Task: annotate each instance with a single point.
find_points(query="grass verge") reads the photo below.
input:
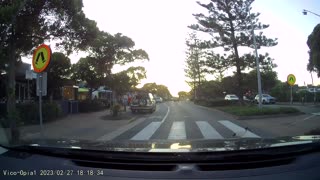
(255, 111)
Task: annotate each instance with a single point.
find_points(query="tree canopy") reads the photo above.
(58, 72)
(26, 24)
(157, 89)
(314, 52)
(229, 22)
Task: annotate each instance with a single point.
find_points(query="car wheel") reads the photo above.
(263, 102)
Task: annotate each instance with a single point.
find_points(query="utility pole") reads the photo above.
(257, 63)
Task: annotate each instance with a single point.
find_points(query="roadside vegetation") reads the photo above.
(255, 111)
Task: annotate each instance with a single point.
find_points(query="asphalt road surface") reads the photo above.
(183, 121)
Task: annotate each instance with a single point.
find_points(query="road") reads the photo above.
(184, 121)
(176, 121)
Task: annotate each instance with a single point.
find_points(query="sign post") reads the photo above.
(291, 79)
(40, 61)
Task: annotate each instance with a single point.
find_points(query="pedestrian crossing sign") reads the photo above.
(41, 58)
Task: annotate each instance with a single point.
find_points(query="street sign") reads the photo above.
(291, 79)
(43, 84)
(29, 74)
(41, 58)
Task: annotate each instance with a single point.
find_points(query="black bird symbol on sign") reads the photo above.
(42, 57)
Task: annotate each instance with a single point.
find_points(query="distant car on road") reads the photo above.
(266, 99)
(158, 99)
(231, 97)
(143, 102)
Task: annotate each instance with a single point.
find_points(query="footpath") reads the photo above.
(84, 126)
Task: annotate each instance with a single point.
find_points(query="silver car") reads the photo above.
(266, 99)
(143, 102)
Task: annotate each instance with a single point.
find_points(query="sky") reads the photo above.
(160, 28)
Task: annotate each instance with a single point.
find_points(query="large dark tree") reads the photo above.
(106, 51)
(25, 24)
(229, 24)
(58, 72)
(314, 52)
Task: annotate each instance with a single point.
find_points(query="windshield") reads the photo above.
(122, 72)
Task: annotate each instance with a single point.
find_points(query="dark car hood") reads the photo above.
(174, 146)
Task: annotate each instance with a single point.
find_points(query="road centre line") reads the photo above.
(165, 117)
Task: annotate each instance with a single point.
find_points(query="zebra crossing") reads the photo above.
(178, 131)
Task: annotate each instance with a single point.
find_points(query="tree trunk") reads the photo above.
(237, 59)
(11, 96)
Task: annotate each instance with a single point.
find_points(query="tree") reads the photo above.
(268, 80)
(212, 90)
(85, 70)
(314, 52)
(183, 94)
(229, 24)
(195, 66)
(136, 74)
(126, 80)
(58, 71)
(26, 24)
(159, 90)
(106, 51)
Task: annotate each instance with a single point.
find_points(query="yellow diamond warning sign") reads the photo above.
(41, 58)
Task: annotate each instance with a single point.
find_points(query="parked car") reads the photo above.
(266, 99)
(143, 102)
(158, 99)
(231, 97)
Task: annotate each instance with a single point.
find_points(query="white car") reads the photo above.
(266, 99)
(158, 99)
(231, 97)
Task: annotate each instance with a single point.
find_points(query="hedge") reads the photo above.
(28, 114)
(215, 103)
(91, 106)
(254, 110)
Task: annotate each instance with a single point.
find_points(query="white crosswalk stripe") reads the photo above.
(208, 131)
(178, 130)
(239, 131)
(147, 132)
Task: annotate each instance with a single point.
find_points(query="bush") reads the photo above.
(253, 110)
(215, 103)
(91, 106)
(29, 113)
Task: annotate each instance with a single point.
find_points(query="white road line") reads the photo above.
(309, 117)
(121, 130)
(239, 131)
(208, 131)
(165, 117)
(178, 130)
(147, 132)
(300, 121)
